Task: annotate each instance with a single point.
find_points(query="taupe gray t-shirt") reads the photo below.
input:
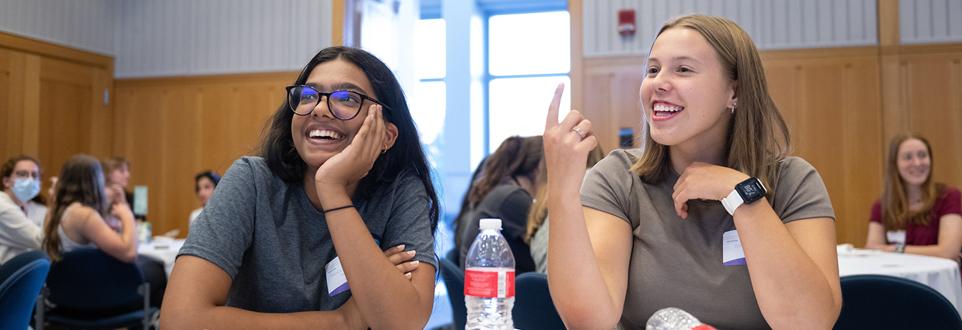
(678, 263)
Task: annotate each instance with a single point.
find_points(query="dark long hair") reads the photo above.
(81, 181)
(277, 147)
(515, 156)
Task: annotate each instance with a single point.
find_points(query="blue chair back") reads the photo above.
(21, 279)
(888, 302)
(454, 283)
(533, 307)
(91, 281)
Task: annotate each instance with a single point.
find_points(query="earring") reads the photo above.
(733, 108)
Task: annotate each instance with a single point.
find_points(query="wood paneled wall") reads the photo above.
(922, 93)
(172, 128)
(52, 103)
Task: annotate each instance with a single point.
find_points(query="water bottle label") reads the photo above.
(489, 282)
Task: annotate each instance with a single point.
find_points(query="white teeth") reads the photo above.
(661, 107)
(317, 133)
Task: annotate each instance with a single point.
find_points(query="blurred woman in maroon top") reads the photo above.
(914, 214)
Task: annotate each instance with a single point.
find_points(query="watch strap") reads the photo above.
(732, 202)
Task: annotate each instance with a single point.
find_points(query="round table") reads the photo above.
(938, 273)
(162, 248)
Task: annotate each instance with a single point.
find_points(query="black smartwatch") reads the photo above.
(746, 192)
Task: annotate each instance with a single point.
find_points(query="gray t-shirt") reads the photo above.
(678, 263)
(268, 237)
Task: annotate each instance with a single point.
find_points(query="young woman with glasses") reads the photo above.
(711, 216)
(293, 238)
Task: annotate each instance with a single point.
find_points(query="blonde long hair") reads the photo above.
(757, 135)
(539, 209)
(896, 210)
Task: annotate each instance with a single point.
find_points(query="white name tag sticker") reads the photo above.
(895, 236)
(336, 280)
(732, 253)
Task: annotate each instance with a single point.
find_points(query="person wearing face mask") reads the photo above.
(914, 214)
(204, 183)
(21, 184)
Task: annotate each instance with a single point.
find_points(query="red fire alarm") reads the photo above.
(626, 22)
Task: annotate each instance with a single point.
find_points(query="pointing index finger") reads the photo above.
(552, 119)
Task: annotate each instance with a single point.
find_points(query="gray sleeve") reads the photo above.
(800, 192)
(223, 232)
(606, 187)
(409, 221)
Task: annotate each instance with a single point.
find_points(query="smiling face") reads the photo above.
(319, 135)
(913, 162)
(686, 93)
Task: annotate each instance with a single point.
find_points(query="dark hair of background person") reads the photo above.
(210, 175)
(81, 181)
(516, 156)
(896, 213)
(539, 208)
(277, 147)
(7, 170)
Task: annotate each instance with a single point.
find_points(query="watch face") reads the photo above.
(751, 190)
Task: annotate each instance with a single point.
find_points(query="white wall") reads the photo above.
(772, 24)
(930, 21)
(191, 37)
(86, 25)
(179, 37)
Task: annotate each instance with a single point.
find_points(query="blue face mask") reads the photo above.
(26, 189)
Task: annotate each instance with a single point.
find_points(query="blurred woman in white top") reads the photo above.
(204, 183)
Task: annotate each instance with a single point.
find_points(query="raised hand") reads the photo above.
(566, 146)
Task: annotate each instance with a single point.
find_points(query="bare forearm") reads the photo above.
(580, 293)
(791, 290)
(384, 297)
(933, 251)
(223, 317)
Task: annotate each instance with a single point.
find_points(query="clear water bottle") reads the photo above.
(672, 318)
(489, 279)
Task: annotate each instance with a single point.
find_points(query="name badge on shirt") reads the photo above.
(895, 236)
(336, 280)
(732, 253)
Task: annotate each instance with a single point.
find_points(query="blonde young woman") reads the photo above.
(914, 214)
(711, 216)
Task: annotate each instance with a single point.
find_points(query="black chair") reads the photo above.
(887, 302)
(21, 279)
(89, 289)
(454, 282)
(533, 307)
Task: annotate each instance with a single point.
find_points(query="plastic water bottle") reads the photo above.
(672, 318)
(489, 279)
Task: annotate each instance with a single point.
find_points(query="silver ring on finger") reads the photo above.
(579, 132)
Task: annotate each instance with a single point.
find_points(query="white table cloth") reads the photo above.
(162, 248)
(938, 273)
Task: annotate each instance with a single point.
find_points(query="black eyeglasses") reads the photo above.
(344, 105)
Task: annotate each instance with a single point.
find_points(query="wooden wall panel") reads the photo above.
(51, 102)
(172, 128)
(922, 88)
